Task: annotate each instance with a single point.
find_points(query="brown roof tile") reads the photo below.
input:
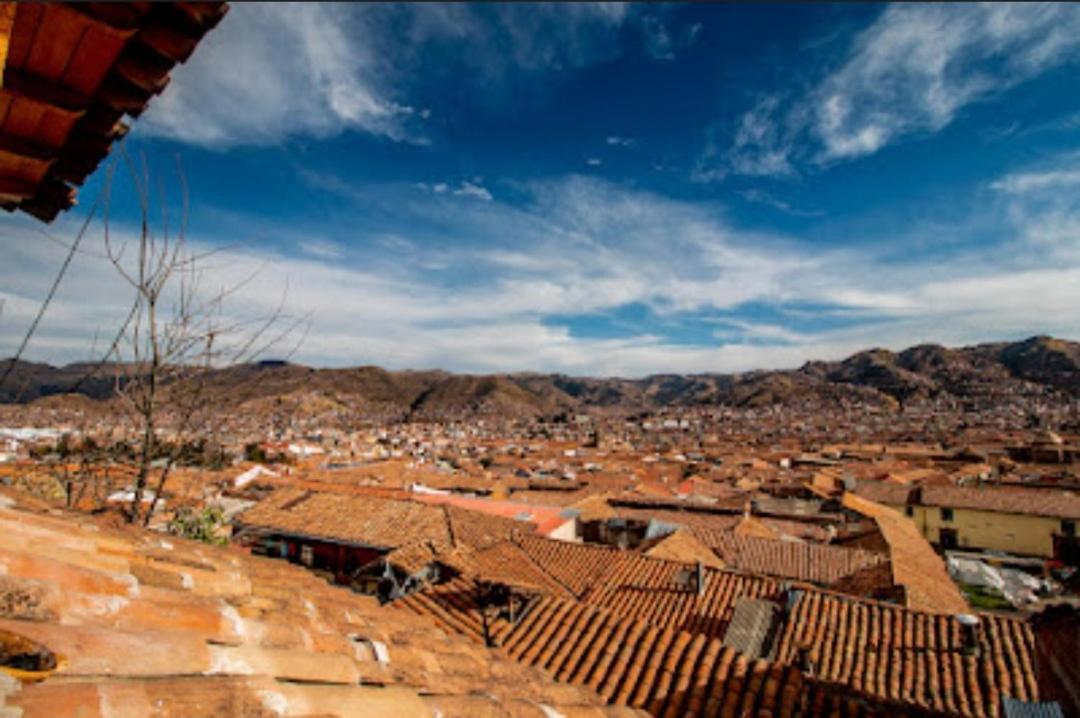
(915, 566)
(1036, 502)
(243, 636)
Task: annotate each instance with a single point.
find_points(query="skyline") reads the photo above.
(611, 189)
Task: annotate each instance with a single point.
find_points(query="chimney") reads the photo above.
(699, 575)
(969, 633)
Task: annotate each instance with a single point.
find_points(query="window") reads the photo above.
(307, 555)
(1068, 527)
(909, 511)
(946, 515)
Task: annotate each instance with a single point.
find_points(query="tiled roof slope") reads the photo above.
(156, 626)
(884, 492)
(507, 563)
(631, 662)
(647, 588)
(368, 520)
(577, 566)
(683, 546)
(700, 522)
(915, 566)
(816, 563)
(375, 521)
(880, 649)
(912, 656)
(1036, 502)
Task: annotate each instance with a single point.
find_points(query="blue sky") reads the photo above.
(612, 189)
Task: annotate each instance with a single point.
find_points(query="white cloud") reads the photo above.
(473, 189)
(276, 69)
(321, 248)
(911, 71)
(619, 141)
(469, 189)
(918, 65)
(593, 162)
(582, 247)
(1024, 182)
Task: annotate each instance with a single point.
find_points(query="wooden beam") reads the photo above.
(37, 89)
(52, 197)
(122, 95)
(123, 17)
(14, 191)
(141, 65)
(26, 148)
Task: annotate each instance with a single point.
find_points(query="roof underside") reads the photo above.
(72, 72)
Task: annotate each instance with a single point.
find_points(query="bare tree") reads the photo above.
(177, 334)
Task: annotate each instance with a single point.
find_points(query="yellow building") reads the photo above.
(1028, 522)
(1022, 521)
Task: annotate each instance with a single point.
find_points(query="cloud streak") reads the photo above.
(493, 296)
(278, 70)
(911, 72)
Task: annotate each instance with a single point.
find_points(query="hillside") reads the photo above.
(1037, 366)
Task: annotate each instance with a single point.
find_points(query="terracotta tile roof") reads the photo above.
(375, 521)
(476, 530)
(631, 662)
(648, 588)
(1036, 502)
(156, 626)
(752, 526)
(700, 521)
(577, 566)
(912, 656)
(368, 521)
(884, 492)
(816, 563)
(690, 519)
(915, 565)
(71, 73)
(544, 518)
(507, 563)
(682, 546)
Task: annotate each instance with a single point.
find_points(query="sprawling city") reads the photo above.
(340, 375)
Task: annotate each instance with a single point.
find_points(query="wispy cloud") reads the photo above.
(484, 299)
(658, 43)
(911, 71)
(469, 189)
(275, 70)
(466, 188)
(322, 249)
(758, 196)
(1024, 182)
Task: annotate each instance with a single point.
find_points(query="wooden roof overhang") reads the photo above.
(70, 72)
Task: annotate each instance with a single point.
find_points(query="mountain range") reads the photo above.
(1040, 365)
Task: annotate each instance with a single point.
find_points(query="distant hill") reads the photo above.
(1039, 365)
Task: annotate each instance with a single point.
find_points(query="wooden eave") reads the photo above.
(70, 73)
